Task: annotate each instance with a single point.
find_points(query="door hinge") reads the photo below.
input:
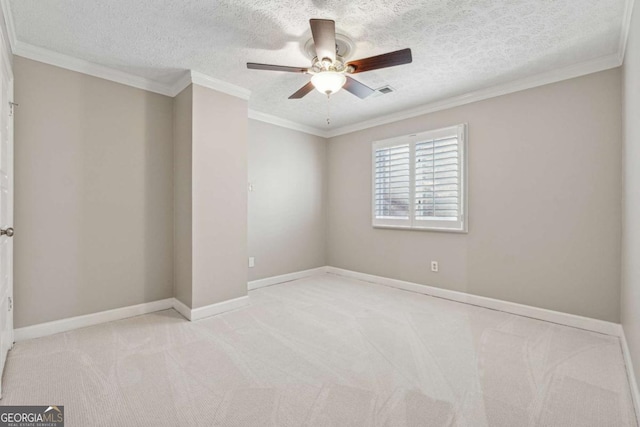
(10, 303)
(11, 107)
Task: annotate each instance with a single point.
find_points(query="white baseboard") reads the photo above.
(261, 283)
(218, 308)
(581, 322)
(64, 325)
(633, 384)
(71, 323)
(182, 308)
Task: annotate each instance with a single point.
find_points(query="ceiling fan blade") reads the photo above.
(302, 91)
(254, 66)
(358, 89)
(324, 38)
(385, 60)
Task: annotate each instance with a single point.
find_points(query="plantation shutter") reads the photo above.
(419, 181)
(392, 185)
(437, 188)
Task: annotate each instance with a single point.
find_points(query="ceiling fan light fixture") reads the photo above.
(328, 82)
(329, 71)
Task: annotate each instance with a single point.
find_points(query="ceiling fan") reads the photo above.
(329, 70)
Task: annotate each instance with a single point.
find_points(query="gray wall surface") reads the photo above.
(630, 300)
(219, 191)
(287, 169)
(544, 201)
(182, 210)
(93, 194)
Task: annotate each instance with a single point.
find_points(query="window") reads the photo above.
(419, 181)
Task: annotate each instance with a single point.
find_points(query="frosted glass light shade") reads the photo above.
(328, 82)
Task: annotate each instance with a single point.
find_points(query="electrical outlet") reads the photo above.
(434, 266)
(252, 262)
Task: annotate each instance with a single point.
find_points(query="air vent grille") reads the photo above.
(385, 90)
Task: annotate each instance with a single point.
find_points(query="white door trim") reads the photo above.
(633, 384)
(6, 202)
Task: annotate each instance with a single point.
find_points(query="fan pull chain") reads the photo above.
(328, 109)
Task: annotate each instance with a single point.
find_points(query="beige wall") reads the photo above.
(93, 194)
(544, 193)
(287, 169)
(631, 241)
(182, 241)
(219, 191)
(94, 156)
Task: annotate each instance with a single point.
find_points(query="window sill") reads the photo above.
(436, 229)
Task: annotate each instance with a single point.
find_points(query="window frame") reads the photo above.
(450, 226)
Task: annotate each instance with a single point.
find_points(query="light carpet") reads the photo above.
(327, 351)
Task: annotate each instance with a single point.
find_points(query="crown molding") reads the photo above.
(61, 60)
(219, 85)
(570, 72)
(181, 84)
(200, 79)
(50, 57)
(65, 61)
(85, 67)
(79, 65)
(626, 28)
(278, 121)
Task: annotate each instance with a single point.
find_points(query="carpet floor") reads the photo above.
(327, 351)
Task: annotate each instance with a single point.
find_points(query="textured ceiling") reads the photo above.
(458, 45)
